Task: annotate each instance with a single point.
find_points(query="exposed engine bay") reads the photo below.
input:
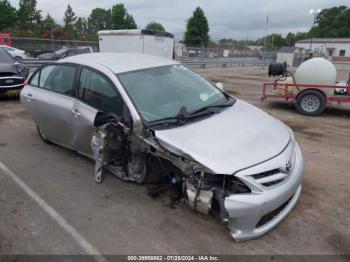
(141, 159)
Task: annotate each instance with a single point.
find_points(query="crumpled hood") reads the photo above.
(237, 138)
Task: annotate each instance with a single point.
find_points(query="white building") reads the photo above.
(292, 55)
(335, 49)
(255, 47)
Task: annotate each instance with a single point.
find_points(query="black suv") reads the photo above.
(12, 73)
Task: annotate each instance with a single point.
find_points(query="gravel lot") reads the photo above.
(116, 217)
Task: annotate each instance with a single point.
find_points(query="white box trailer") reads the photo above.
(145, 41)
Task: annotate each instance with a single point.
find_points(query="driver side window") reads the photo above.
(98, 92)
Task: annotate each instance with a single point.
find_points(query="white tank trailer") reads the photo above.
(316, 71)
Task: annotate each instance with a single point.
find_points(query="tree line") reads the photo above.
(330, 22)
(27, 20)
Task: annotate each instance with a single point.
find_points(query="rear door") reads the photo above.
(51, 101)
(95, 93)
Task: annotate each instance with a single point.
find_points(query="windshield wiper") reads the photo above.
(211, 106)
(179, 119)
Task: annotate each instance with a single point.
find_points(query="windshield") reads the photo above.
(5, 57)
(161, 92)
(61, 51)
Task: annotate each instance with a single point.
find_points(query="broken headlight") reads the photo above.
(228, 183)
(235, 186)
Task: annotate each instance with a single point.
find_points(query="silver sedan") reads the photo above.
(148, 119)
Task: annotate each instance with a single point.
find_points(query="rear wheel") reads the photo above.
(43, 136)
(310, 103)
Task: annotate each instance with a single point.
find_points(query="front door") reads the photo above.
(96, 93)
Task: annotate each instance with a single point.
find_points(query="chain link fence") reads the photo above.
(37, 46)
(194, 56)
(223, 57)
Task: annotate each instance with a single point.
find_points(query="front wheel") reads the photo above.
(18, 59)
(310, 103)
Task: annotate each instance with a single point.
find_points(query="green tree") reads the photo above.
(155, 26)
(301, 36)
(290, 39)
(8, 14)
(81, 27)
(28, 16)
(332, 22)
(99, 19)
(197, 29)
(69, 18)
(274, 41)
(48, 22)
(121, 19)
(48, 26)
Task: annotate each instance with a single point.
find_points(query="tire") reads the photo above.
(18, 58)
(43, 136)
(310, 103)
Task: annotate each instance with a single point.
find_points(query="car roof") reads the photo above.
(120, 62)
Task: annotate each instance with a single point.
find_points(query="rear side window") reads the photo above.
(58, 78)
(98, 92)
(7, 48)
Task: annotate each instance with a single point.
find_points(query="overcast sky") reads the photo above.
(238, 19)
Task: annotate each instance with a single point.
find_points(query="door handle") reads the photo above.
(29, 97)
(75, 113)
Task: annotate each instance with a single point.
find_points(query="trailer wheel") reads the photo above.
(310, 103)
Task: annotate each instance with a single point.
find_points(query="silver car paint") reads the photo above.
(224, 143)
(241, 140)
(246, 210)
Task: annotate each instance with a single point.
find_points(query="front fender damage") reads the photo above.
(131, 154)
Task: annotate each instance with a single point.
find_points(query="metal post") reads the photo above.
(311, 36)
(314, 13)
(52, 37)
(263, 58)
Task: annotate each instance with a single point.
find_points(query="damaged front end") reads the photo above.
(135, 154)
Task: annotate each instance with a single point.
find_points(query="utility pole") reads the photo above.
(314, 13)
(266, 25)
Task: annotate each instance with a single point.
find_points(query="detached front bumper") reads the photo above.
(252, 215)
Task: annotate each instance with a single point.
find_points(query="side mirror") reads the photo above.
(220, 86)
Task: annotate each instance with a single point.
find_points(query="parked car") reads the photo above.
(88, 48)
(17, 54)
(161, 121)
(12, 73)
(64, 52)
